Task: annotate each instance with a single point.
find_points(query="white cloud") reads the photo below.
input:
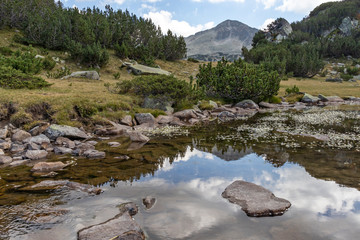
(165, 20)
(219, 1)
(267, 3)
(266, 23)
(304, 6)
(146, 6)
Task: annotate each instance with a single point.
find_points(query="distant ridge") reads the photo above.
(224, 40)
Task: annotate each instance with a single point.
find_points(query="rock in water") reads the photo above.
(255, 200)
(48, 166)
(36, 154)
(122, 226)
(149, 202)
(55, 131)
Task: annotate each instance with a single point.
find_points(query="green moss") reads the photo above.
(205, 105)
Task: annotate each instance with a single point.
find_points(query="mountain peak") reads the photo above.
(226, 39)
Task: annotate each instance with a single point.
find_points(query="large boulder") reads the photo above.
(142, 118)
(93, 75)
(55, 131)
(138, 69)
(255, 200)
(347, 25)
(247, 104)
(122, 226)
(308, 98)
(149, 202)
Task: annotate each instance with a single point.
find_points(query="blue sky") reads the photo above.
(186, 17)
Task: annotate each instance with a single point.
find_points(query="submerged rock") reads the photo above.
(49, 185)
(48, 166)
(137, 137)
(255, 200)
(149, 202)
(94, 154)
(122, 226)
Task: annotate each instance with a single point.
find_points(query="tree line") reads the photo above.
(87, 33)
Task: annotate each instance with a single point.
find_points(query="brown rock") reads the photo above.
(142, 118)
(127, 120)
(65, 142)
(161, 119)
(20, 136)
(137, 136)
(48, 166)
(185, 114)
(94, 154)
(149, 202)
(255, 200)
(36, 154)
(5, 159)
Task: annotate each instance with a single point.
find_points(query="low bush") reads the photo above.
(294, 89)
(59, 73)
(15, 79)
(345, 77)
(25, 62)
(6, 51)
(237, 81)
(193, 60)
(92, 55)
(48, 63)
(167, 87)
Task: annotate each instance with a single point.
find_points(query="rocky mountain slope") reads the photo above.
(224, 40)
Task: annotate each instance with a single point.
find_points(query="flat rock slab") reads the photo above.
(122, 226)
(55, 131)
(255, 200)
(138, 69)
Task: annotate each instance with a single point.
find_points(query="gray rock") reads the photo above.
(55, 131)
(357, 77)
(307, 98)
(267, 105)
(247, 104)
(94, 154)
(158, 103)
(4, 133)
(122, 226)
(138, 69)
(36, 154)
(48, 166)
(93, 75)
(62, 150)
(16, 148)
(137, 137)
(193, 121)
(161, 119)
(330, 98)
(20, 136)
(40, 139)
(281, 30)
(255, 200)
(127, 120)
(83, 147)
(347, 25)
(185, 114)
(226, 116)
(33, 146)
(2, 152)
(149, 202)
(5, 159)
(65, 142)
(143, 118)
(91, 143)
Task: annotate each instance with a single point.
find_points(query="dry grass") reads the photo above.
(316, 86)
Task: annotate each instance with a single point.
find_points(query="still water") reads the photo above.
(187, 174)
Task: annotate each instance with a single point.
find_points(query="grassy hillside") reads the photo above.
(62, 101)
